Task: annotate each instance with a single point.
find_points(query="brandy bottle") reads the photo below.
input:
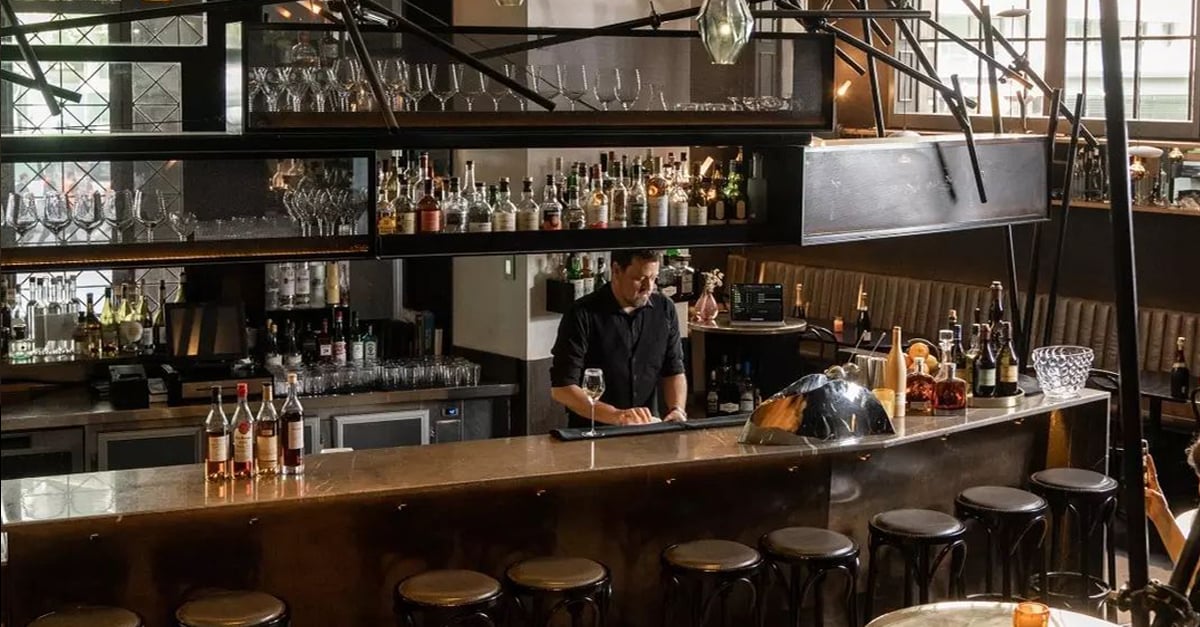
(920, 388)
(216, 440)
(243, 436)
(266, 434)
(291, 422)
(949, 392)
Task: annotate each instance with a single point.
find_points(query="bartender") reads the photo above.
(631, 332)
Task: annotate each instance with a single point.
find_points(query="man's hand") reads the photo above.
(632, 416)
(675, 415)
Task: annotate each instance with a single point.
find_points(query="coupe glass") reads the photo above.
(605, 85)
(87, 212)
(629, 87)
(1062, 371)
(573, 80)
(593, 386)
(56, 214)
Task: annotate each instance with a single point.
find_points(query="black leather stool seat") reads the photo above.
(1074, 480)
(712, 556)
(918, 523)
(232, 608)
(93, 616)
(1001, 499)
(448, 588)
(808, 543)
(556, 573)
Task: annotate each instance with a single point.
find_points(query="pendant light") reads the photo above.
(510, 3)
(725, 27)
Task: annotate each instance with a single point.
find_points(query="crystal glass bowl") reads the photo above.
(1062, 370)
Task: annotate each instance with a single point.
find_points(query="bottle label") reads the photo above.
(268, 449)
(669, 291)
(370, 351)
(431, 221)
(356, 351)
(730, 408)
(698, 215)
(303, 283)
(678, 214)
(597, 217)
(865, 336)
(638, 215)
(339, 352)
(659, 212)
(287, 287)
(504, 221)
(746, 404)
(576, 221)
(740, 211)
(479, 227)
(985, 377)
(274, 359)
(1008, 374)
(552, 220)
(162, 335)
(455, 222)
(218, 448)
(719, 210)
(327, 350)
(579, 291)
(528, 221)
(295, 435)
(243, 444)
(589, 285)
(147, 335)
(406, 223)
(714, 404)
(387, 224)
(294, 360)
(617, 224)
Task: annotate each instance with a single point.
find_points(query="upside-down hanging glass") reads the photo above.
(725, 27)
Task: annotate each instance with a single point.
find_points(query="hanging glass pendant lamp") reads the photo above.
(725, 27)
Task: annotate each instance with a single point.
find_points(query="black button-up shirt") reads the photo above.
(635, 350)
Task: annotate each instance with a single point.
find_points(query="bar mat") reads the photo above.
(575, 433)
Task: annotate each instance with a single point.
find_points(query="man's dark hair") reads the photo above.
(625, 257)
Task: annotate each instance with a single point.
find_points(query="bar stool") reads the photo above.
(709, 570)
(571, 584)
(88, 616)
(1091, 500)
(233, 608)
(1008, 516)
(448, 597)
(816, 553)
(914, 532)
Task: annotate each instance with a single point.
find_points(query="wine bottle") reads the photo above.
(1008, 365)
(984, 379)
(1180, 375)
(895, 372)
(862, 326)
(712, 399)
(291, 422)
(216, 437)
(799, 307)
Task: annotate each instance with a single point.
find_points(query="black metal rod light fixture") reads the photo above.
(1025, 342)
(35, 68)
(1060, 244)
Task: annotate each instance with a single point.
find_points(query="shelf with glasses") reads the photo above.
(1170, 211)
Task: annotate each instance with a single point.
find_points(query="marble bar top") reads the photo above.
(76, 407)
(397, 472)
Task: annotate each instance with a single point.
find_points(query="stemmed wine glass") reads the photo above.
(545, 80)
(151, 214)
(605, 85)
(593, 386)
(88, 213)
(475, 86)
(20, 213)
(499, 91)
(418, 85)
(573, 80)
(445, 87)
(629, 87)
(346, 76)
(56, 215)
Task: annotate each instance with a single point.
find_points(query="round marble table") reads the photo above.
(698, 331)
(975, 614)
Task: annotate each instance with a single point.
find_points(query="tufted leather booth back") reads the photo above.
(920, 305)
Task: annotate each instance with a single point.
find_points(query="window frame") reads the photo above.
(1056, 44)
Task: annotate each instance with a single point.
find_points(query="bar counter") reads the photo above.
(334, 542)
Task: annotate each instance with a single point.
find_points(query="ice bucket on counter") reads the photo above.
(817, 409)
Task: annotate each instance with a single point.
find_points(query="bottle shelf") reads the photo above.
(172, 253)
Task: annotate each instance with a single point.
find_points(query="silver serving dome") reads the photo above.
(820, 408)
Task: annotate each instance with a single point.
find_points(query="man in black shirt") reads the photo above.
(631, 332)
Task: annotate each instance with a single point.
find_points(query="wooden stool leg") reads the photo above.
(872, 571)
(922, 577)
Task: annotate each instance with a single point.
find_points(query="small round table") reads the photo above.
(698, 331)
(975, 614)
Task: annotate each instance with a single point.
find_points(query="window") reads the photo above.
(1159, 52)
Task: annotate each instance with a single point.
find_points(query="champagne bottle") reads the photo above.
(1180, 375)
(1008, 366)
(984, 379)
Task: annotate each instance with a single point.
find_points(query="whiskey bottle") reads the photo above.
(618, 215)
(529, 216)
(479, 213)
(428, 212)
(339, 339)
(357, 348)
(658, 194)
(216, 439)
(589, 279)
(266, 434)
(91, 326)
(552, 208)
(455, 209)
(895, 373)
(405, 210)
(920, 392)
(470, 186)
(504, 213)
(1181, 377)
(677, 198)
(385, 208)
(370, 346)
(698, 199)
(712, 401)
(576, 217)
(598, 203)
(1008, 364)
(638, 200)
(243, 436)
(291, 430)
(984, 378)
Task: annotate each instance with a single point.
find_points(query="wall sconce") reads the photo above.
(843, 89)
(725, 27)
(509, 3)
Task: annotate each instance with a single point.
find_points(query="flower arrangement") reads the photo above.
(712, 279)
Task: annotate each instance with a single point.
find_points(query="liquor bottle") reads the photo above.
(147, 322)
(93, 341)
(429, 213)
(712, 400)
(597, 204)
(949, 391)
(415, 175)
(731, 394)
(957, 353)
(5, 320)
(287, 286)
(291, 430)
(658, 194)
(479, 213)
(799, 307)
(266, 434)
(242, 428)
(529, 215)
(984, 378)
(862, 325)
(552, 208)
(996, 311)
(589, 280)
(370, 346)
(504, 212)
(639, 207)
(601, 272)
(339, 339)
(746, 390)
(972, 354)
(920, 391)
(79, 338)
(735, 193)
(618, 214)
(19, 348)
(698, 198)
(216, 438)
(717, 213)
(677, 198)
(303, 285)
(35, 316)
(454, 209)
(559, 178)
(895, 373)
(1008, 364)
(357, 348)
(109, 326)
(316, 282)
(333, 284)
(1181, 377)
(292, 351)
(576, 217)
(385, 207)
(160, 316)
(470, 186)
(325, 343)
(310, 349)
(405, 210)
(951, 318)
(272, 353)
